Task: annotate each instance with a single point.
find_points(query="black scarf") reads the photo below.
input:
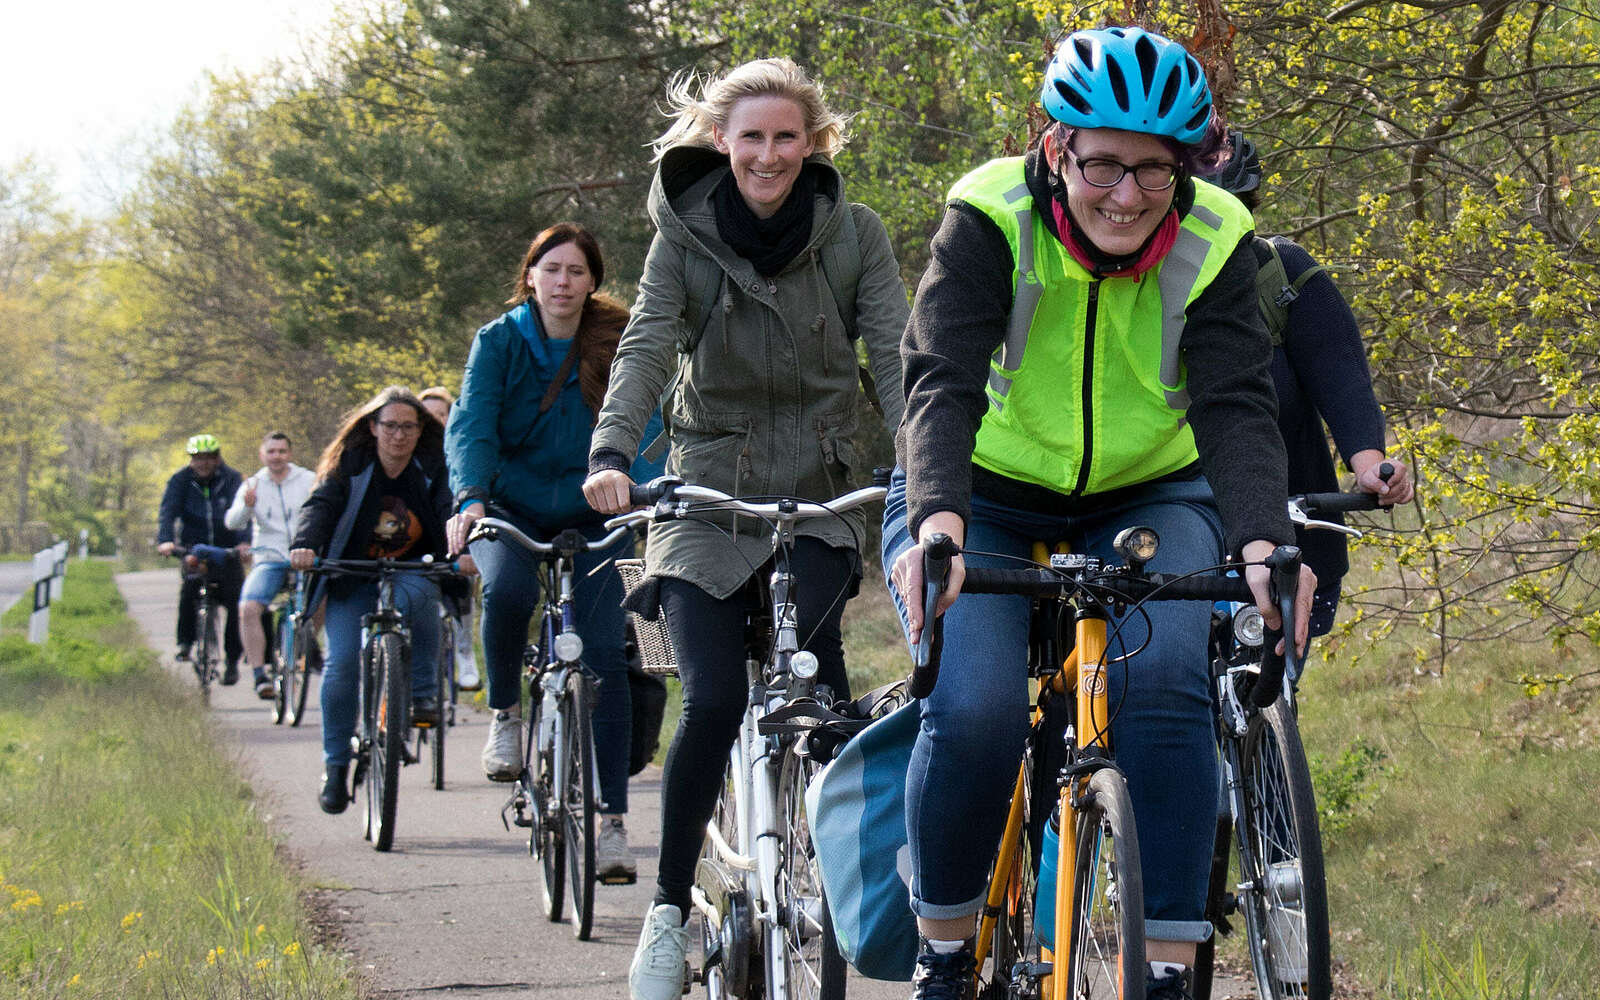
(771, 243)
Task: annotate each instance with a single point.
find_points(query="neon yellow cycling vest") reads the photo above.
(1088, 391)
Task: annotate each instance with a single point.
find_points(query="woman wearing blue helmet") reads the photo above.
(1084, 354)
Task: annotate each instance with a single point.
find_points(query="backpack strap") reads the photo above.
(1274, 291)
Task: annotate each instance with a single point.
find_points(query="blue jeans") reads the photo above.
(975, 722)
(510, 597)
(417, 599)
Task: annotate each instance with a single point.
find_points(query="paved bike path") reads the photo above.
(454, 908)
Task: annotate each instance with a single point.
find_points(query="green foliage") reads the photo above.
(1347, 785)
(1427, 973)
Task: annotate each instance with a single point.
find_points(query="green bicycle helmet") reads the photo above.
(1130, 79)
(202, 443)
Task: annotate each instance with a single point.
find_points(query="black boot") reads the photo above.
(944, 977)
(335, 789)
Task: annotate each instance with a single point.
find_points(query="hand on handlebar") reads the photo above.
(302, 559)
(1258, 576)
(1370, 467)
(458, 527)
(906, 574)
(607, 491)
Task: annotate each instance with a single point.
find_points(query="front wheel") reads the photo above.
(1283, 892)
(577, 811)
(285, 682)
(391, 698)
(1106, 956)
(441, 677)
(539, 774)
(813, 967)
(297, 673)
(205, 664)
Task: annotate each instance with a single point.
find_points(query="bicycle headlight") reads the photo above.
(1137, 545)
(804, 665)
(1248, 627)
(568, 647)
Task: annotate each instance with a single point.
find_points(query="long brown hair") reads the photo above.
(603, 317)
(355, 429)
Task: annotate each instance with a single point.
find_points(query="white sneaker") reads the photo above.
(467, 674)
(614, 864)
(502, 754)
(658, 969)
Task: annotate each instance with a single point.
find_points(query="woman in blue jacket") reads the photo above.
(518, 440)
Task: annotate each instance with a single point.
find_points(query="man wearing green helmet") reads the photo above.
(193, 509)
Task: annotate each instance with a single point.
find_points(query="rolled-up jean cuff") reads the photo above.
(951, 911)
(1177, 930)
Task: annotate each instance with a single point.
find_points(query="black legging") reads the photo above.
(708, 637)
(231, 581)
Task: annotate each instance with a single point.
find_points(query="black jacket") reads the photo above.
(199, 507)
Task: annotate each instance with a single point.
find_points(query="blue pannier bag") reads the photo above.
(857, 808)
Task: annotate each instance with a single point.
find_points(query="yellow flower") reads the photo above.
(76, 904)
(263, 963)
(131, 919)
(75, 980)
(148, 956)
(25, 898)
(211, 957)
(292, 948)
(260, 929)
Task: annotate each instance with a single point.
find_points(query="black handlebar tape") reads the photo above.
(1285, 566)
(1327, 503)
(937, 552)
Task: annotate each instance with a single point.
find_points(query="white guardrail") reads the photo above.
(49, 575)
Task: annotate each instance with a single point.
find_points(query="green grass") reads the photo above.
(132, 860)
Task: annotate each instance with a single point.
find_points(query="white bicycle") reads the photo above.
(766, 930)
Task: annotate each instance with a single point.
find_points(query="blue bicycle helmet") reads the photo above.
(1130, 79)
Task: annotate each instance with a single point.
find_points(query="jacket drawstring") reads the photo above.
(727, 310)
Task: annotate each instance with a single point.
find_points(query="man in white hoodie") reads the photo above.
(268, 501)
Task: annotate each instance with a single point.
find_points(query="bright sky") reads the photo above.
(85, 84)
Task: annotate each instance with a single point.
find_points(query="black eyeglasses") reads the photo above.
(398, 427)
(1104, 172)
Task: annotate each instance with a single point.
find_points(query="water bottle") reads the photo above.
(1044, 914)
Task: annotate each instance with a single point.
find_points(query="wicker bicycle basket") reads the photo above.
(654, 638)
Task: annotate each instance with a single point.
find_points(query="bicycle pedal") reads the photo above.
(606, 879)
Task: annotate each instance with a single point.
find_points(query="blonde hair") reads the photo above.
(694, 117)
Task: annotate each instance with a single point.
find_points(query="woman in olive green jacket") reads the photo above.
(760, 277)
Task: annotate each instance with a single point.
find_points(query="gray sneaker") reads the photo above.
(502, 754)
(614, 864)
(468, 677)
(658, 967)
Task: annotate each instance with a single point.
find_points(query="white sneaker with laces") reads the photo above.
(468, 677)
(614, 863)
(502, 754)
(657, 971)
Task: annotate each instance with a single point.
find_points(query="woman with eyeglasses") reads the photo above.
(518, 441)
(1084, 354)
(381, 494)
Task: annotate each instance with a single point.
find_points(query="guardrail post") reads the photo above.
(58, 574)
(44, 566)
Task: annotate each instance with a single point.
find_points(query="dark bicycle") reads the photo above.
(557, 794)
(206, 562)
(384, 722)
(290, 656)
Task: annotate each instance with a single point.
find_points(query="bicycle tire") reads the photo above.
(1106, 956)
(578, 810)
(391, 699)
(1285, 894)
(206, 664)
(299, 667)
(813, 967)
(282, 661)
(545, 840)
(441, 690)
(729, 951)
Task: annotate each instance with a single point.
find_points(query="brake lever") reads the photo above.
(1302, 519)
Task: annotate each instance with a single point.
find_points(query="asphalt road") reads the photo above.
(16, 582)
